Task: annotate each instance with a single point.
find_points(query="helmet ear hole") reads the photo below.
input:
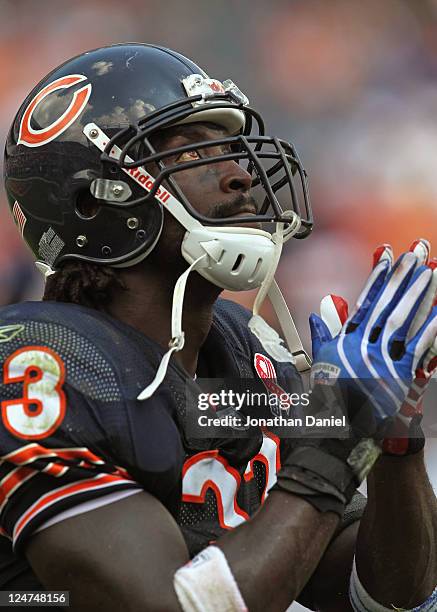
(87, 207)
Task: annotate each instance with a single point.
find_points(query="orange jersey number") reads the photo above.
(41, 409)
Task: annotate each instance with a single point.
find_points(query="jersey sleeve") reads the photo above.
(72, 431)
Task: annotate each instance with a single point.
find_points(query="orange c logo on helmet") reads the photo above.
(30, 137)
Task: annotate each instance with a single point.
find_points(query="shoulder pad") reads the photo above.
(74, 335)
(233, 318)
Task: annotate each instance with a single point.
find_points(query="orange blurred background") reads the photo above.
(352, 84)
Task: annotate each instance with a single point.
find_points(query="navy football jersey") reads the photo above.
(73, 434)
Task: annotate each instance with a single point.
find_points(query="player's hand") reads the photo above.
(405, 435)
(375, 354)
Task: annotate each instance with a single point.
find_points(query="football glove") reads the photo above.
(405, 435)
(366, 372)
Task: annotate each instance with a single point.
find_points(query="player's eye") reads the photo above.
(187, 156)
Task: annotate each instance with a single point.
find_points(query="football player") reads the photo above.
(144, 188)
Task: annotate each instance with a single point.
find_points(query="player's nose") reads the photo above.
(235, 178)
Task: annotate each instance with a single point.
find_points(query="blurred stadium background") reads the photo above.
(352, 84)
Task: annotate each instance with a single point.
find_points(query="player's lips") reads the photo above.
(241, 207)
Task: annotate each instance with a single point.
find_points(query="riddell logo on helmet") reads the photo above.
(31, 137)
(139, 175)
(146, 181)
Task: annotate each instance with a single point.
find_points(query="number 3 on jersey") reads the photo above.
(41, 409)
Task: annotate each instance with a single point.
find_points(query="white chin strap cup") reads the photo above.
(239, 258)
(236, 260)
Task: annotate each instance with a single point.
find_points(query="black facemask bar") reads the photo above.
(284, 166)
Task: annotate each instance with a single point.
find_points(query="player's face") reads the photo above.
(216, 190)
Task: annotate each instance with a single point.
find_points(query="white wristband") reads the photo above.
(362, 602)
(206, 584)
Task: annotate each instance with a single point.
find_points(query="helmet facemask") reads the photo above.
(279, 181)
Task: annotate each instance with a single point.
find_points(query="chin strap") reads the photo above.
(177, 335)
(278, 240)
(268, 337)
(301, 359)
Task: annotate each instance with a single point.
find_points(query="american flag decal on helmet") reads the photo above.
(19, 216)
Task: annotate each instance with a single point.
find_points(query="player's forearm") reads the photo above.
(397, 541)
(273, 555)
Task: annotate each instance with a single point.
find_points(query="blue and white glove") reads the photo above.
(405, 435)
(375, 356)
(389, 335)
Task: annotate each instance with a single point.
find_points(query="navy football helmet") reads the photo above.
(86, 132)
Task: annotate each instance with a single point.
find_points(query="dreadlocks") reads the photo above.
(83, 283)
